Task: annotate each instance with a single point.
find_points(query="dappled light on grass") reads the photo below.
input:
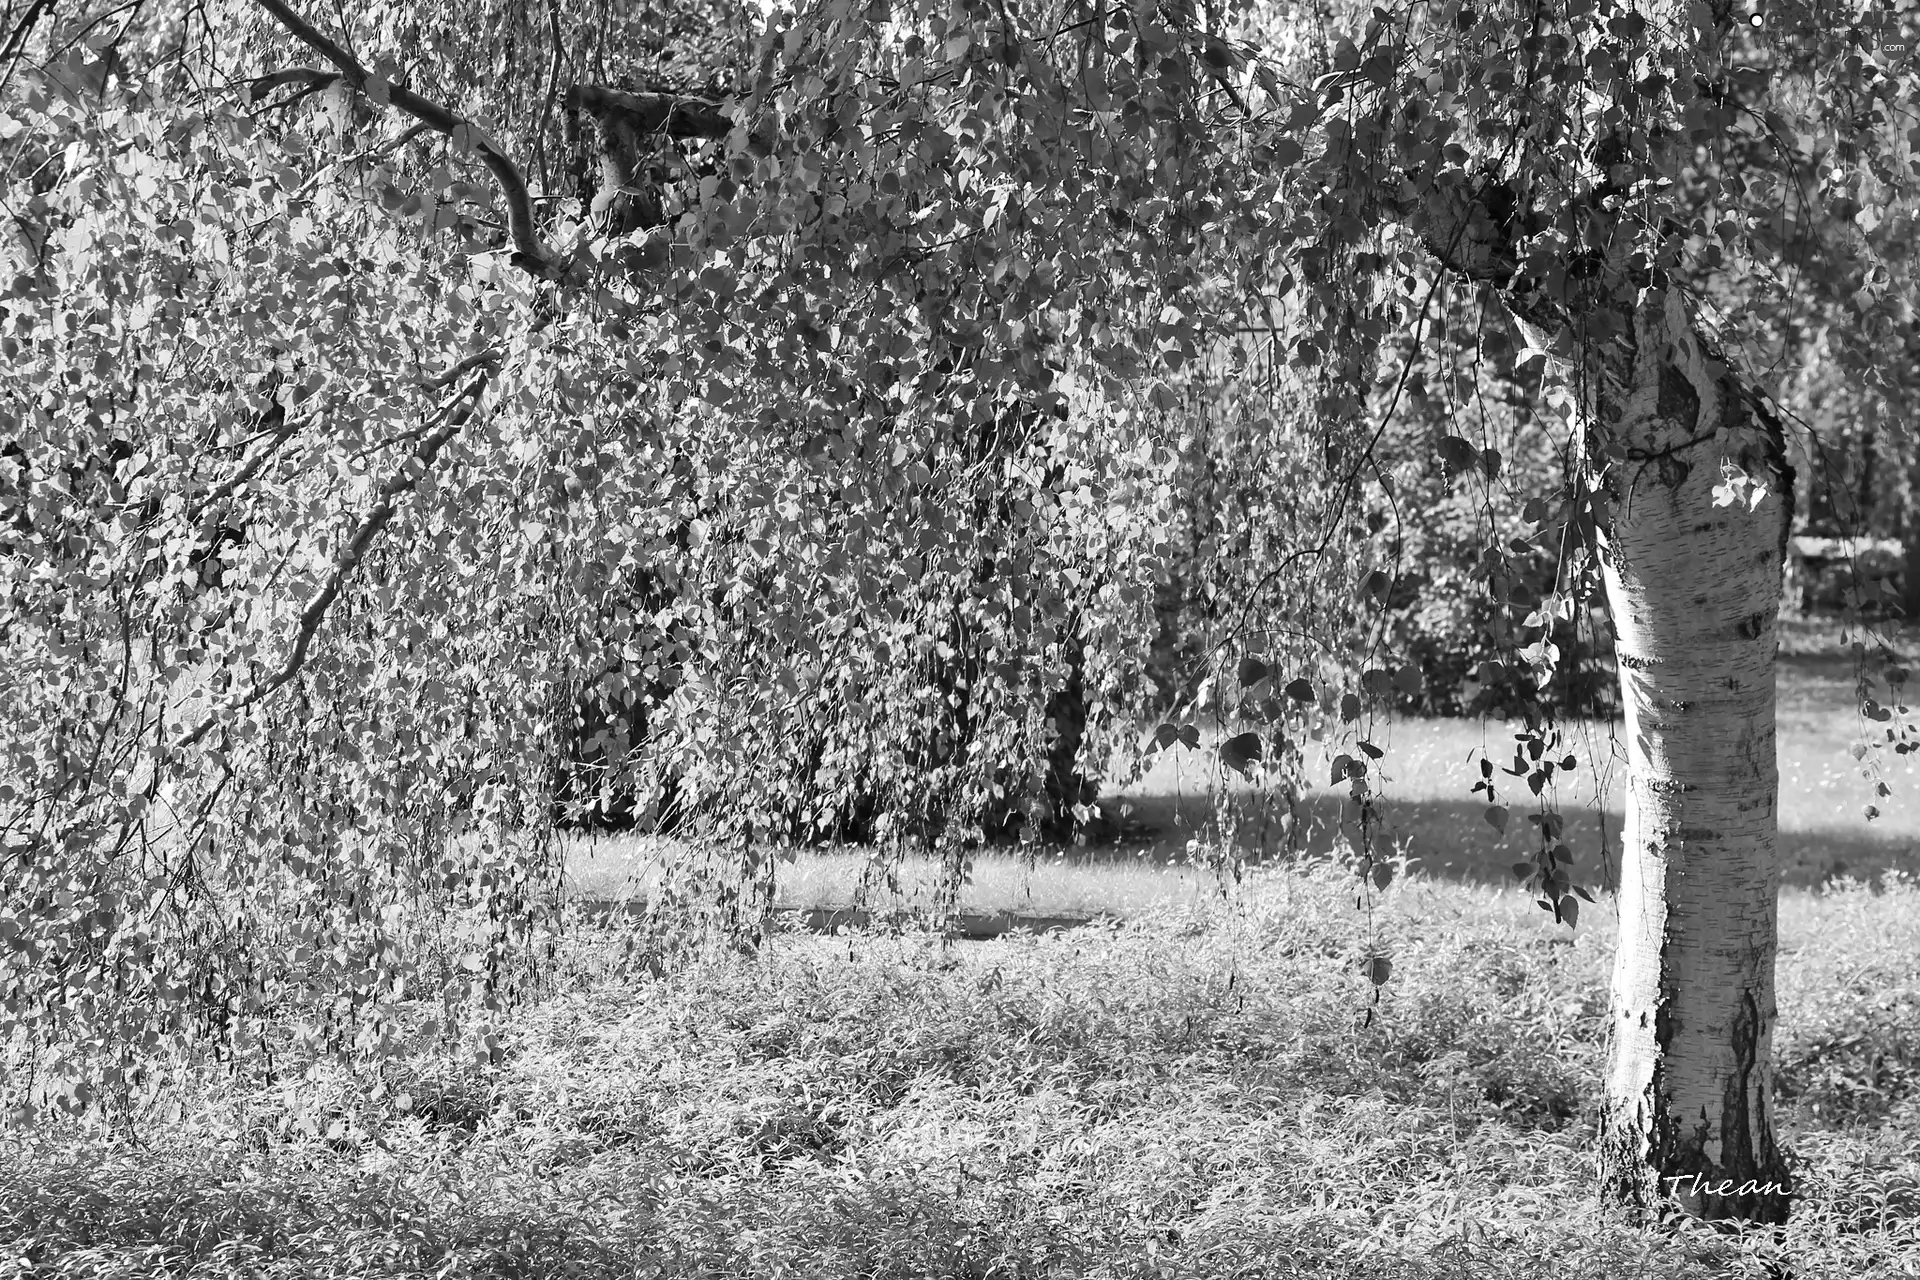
(1169, 854)
(1199, 1093)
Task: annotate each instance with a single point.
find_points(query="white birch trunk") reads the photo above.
(1694, 592)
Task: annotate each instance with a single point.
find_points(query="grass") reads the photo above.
(1433, 815)
(1202, 1092)
(1207, 1089)
(1054, 883)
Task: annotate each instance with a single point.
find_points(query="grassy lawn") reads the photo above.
(1205, 1089)
(1431, 765)
(1101, 881)
(1203, 1092)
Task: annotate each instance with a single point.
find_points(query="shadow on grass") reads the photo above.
(1449, 840)
(1452, 840)
(1433, 816)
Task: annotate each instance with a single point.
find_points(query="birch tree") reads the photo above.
(860, 262)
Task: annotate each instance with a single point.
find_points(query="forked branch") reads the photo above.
(675, 115)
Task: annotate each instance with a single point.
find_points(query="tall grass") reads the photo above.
(1209, 1090)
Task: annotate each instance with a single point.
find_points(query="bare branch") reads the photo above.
(451, 418)
(530, 253)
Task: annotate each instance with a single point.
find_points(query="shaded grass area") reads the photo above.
(1203, 1092)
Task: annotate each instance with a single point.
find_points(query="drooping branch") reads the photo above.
(16, 42)
(279, 426)
(450, 418)
(530, 253)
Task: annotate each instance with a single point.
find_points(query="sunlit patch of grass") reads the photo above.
(1850, 1054)
(1051, 882)
(1208, 1090)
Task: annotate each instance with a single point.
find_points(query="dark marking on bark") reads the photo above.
(1678, 401)
(1761, 1189)
(1698, 833)
(1753, 625)
(1672, 1165)
(1635, 662)
(1662, 1125)
(1774, 443)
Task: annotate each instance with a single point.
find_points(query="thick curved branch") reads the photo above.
(402, 481)
(675, 115)
(530, 253)
(1473, 229)
(490, 356)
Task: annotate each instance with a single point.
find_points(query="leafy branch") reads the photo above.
(530, 253)
(450, 419)
(278, 427)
